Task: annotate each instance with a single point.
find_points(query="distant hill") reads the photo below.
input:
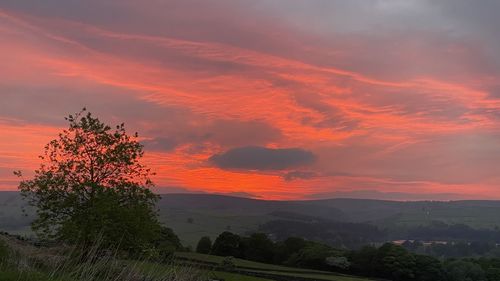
(195, 215)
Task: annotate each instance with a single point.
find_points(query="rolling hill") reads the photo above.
(195, 215)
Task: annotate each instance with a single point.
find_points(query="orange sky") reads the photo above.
(266, 99)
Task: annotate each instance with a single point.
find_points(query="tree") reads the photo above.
(364, 261)
(204, 245)
(284, 249)
(393, 261)
(493, 274)
(313, 255)
(258, 247)
(91, 186)
(227, 244)
(167, 243)
(461, 270)
(428, 269)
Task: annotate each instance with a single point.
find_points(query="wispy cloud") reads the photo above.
(386, 101)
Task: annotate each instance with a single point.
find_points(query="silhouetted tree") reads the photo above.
(227, 244)
(167, 242)
(258, 247)
(204, 245)
(91, 186)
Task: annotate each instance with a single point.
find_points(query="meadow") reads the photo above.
(22, 261)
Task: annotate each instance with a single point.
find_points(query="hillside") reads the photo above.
(195, 215)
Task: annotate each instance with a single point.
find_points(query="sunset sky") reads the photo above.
(271, 99)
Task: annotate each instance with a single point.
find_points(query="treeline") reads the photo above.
(462, 240)
(454, 249)
(333, 233)
(396, 263)
(442, 231)
(388, 261)
(292, 251)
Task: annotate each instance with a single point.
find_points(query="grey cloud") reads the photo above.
(262, 158)
(160, 144)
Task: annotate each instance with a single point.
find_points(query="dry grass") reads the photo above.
(28, 263)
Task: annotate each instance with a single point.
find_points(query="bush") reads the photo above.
(228, 264)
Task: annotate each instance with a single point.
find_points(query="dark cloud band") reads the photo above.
(262, 158)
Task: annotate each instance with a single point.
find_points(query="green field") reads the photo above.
(241, 262)
(234, 277)
(270, 269)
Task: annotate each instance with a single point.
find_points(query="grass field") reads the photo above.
(233, 276)
(241, 262)
(270, 269)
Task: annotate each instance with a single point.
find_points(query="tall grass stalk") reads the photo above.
(29, 263)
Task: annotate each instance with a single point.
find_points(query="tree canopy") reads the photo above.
(204, 245)
(91, 186)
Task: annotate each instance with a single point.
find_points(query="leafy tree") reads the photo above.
(227, 244)
(395, 262)
(428, 269)
(493, 274)
(204, 245)
(284, 249)
(167, 242)
(461, 270)
(91, 186)
(363, 261)
(258, 247)
(314, 255)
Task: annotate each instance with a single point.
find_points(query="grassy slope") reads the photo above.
(273, 269)
(234, 277)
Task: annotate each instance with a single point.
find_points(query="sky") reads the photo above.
(269, 99)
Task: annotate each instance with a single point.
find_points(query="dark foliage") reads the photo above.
(91, 186)
(337, 234)
(442, 231)
(258, 247)
(204, 245)
(389, 261)
(167, 243)
(227, 244)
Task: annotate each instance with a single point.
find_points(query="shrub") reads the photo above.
(228, 264)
